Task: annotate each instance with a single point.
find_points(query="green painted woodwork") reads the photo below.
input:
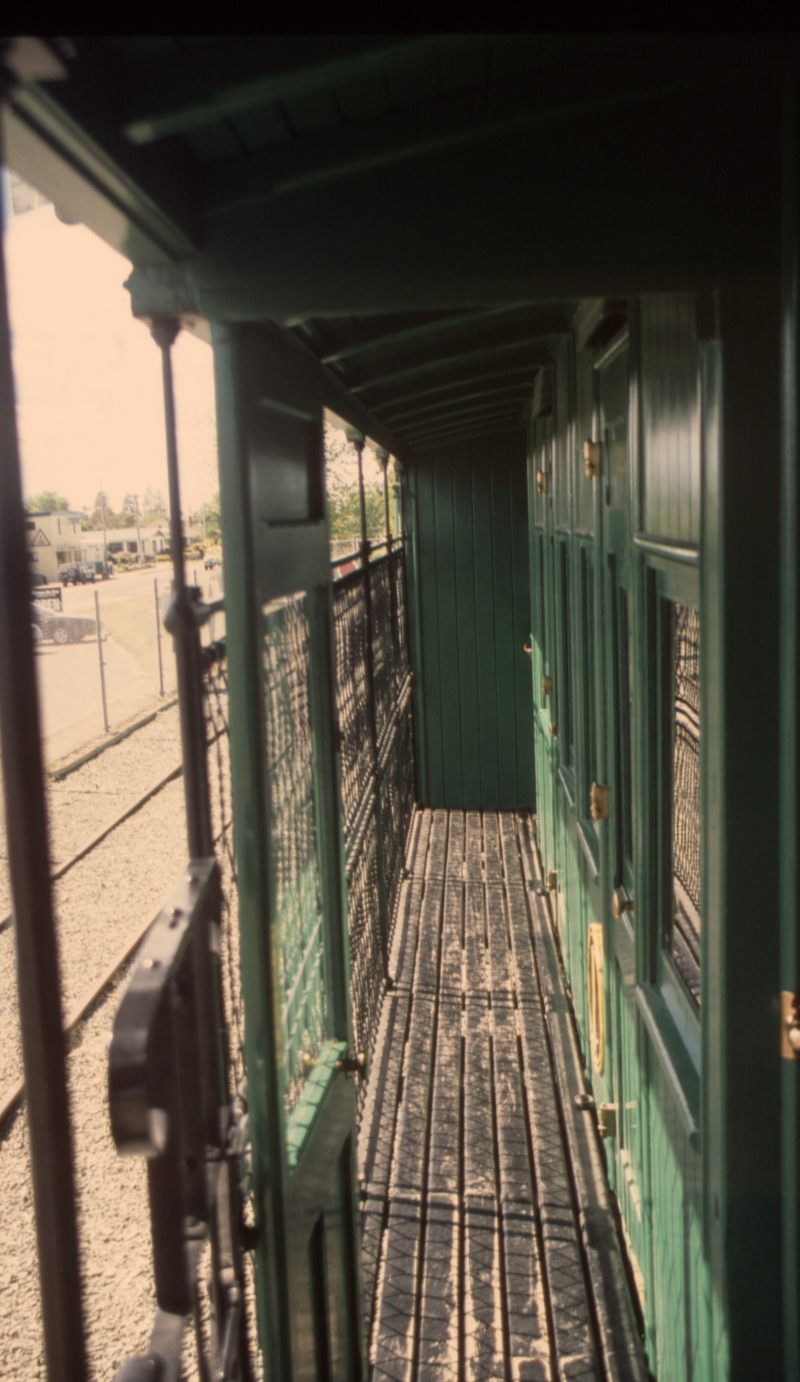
(469, 589)
(293, 917)
(406, 188)
(694, 1181)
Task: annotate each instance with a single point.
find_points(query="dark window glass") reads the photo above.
(683, 931)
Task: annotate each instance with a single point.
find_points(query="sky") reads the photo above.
(88, 375)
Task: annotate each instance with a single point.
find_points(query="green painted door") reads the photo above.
(291, 886)
(625, 1088)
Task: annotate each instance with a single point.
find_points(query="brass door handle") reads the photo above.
(526, 648)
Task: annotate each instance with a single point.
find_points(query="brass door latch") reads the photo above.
(592, 455)
(790, 1025)
(547, 687)
(553, 730)
(607, 1120)
(598, 802)
(620, 903)
(541, 481)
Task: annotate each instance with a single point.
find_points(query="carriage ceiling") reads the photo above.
(424, 216)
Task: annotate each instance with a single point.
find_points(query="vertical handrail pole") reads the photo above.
(357, 440)
(100, 658)
(38, 982)
(182, 624)
(158, 639)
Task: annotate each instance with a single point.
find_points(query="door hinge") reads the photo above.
(541, 481)
(790, 1025)
(547, 686)
(598, 802)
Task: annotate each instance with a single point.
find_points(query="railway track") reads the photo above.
(113, 865)
(90, 994)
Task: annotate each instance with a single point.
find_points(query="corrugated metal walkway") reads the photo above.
(486, 1215)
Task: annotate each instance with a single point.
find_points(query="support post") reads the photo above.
(38, 981)
(183, 626)
(357, 440)
(383, 462)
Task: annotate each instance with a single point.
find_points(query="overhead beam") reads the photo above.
(527, 343)
(550, 323)
(568, 91)
(431, 428)
(467, 433)
(401, 419)
(403, 398)
(217, 100)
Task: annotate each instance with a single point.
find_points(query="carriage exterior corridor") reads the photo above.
(489, 1244)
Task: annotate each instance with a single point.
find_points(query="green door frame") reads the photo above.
(308, 1267)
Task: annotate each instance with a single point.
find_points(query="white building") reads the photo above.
(53, 540)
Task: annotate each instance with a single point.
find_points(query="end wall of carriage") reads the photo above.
(465, 514)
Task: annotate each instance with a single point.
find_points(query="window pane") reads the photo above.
(685, 929)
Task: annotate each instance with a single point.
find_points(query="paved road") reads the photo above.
(69, 676)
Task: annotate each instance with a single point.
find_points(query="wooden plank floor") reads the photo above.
(473, 1267)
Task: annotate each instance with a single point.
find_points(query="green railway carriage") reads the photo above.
(515, 798)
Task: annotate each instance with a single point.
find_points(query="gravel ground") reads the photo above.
(100, 903)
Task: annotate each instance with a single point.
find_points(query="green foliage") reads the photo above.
(46, 502)
(342, 484)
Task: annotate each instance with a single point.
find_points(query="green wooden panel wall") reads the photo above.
(467, 516)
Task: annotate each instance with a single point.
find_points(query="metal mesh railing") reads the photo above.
(350, 621)
(686, 795)
(376, 734)
(293, 844)
(373, 693)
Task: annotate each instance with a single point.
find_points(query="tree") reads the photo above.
(46, 502)
(153, 506)
(342, 483)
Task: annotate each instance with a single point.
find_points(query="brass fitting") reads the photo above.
(592, 456)
(598, 802)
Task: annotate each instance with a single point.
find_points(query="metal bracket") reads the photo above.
(607, 1120)
(598, 802)
(541, 481)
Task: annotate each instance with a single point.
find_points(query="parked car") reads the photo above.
(210, 562)
(76, 573)
(61, 628)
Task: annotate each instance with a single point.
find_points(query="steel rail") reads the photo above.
(125, 815)
(14, 1092)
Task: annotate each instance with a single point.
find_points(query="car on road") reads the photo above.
(60, 628)
(211, 561)
(76, 573)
